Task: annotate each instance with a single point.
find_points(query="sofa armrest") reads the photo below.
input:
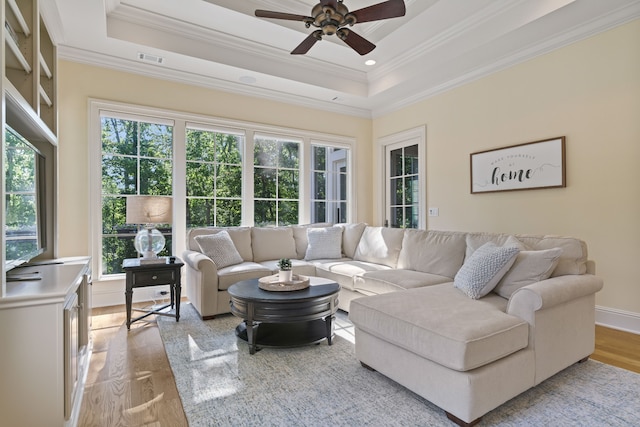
(551, 292)
(201, 262)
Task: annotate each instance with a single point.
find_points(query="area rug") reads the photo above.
(221, 384)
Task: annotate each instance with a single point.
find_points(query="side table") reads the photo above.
(153, 274)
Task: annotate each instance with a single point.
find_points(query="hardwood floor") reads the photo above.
(617, 348)
(130, 381)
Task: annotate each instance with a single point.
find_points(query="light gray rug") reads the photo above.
(220, 384)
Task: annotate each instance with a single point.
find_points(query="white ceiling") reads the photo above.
(438, 45)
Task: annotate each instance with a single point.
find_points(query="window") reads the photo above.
(219, 172)
(329, 184)
(276, 181)
(137, 158)
(403, 187)
(214, 178)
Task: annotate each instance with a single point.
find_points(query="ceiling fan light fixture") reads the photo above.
(332, 16)
(329, 29)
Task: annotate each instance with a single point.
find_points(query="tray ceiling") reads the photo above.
(438, 45)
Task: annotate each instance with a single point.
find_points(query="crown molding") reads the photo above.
(609, 21)
(220, 40)
(163, 73)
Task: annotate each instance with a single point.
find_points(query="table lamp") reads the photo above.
(149, 210)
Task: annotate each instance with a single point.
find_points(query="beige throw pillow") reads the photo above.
(529, 267)
(220, 248)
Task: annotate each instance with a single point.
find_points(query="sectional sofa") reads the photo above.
(465, 320)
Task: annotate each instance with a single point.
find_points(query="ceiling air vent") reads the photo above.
(150, 58)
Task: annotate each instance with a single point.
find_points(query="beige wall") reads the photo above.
(78, 83)
(588, 92)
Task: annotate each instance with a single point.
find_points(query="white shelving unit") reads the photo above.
(44, 324)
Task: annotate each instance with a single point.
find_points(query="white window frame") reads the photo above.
(180, 121)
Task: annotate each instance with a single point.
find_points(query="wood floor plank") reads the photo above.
(131, 384)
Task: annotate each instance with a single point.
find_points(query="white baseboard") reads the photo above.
(618, 319)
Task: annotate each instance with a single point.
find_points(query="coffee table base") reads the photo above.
(286, 334)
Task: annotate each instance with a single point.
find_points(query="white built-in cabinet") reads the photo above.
(45, 336)
(45, 340)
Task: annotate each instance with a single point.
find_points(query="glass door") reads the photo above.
(403, 185)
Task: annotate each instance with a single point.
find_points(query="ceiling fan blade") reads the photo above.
(384, 10)
(356, 42)
(307, 43)
(280, 15)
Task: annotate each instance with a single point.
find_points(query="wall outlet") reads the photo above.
(434, 211)
(161, 294)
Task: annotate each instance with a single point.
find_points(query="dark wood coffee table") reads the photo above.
(284, 319)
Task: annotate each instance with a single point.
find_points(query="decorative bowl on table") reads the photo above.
(273, 283)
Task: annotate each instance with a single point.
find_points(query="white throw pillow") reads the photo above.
(220, 248)
(484, 268)
(324, 243)
(529, 267)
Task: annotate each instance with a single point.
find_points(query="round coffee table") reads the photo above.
(284, 319)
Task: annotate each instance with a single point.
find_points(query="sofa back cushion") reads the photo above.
(435, 252)
(273, 243)
(241, 237)
(573, 259)
(380, 245)
(351, 234)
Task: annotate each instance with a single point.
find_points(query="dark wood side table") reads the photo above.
(142, 275)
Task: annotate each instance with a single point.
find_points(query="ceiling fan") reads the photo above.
(332, 17)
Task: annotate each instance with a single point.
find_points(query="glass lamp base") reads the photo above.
(149, 242)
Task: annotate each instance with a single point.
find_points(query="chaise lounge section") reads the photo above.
(465, 320)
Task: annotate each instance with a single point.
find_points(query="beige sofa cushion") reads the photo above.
(343, 271)
(574, 254)
(241, 237)
(476, 240)
(235, 273)
(443, 325)
(437, 252)
(272, 243)
(383, 281)
(380, 245)
(351, 234)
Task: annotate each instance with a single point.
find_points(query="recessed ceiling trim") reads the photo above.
(110, 62)
(461, 28)
(615, 18)
(280, 59)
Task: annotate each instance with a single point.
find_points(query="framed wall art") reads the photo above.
(538, 164)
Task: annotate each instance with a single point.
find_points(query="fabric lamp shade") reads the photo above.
(149, 210)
